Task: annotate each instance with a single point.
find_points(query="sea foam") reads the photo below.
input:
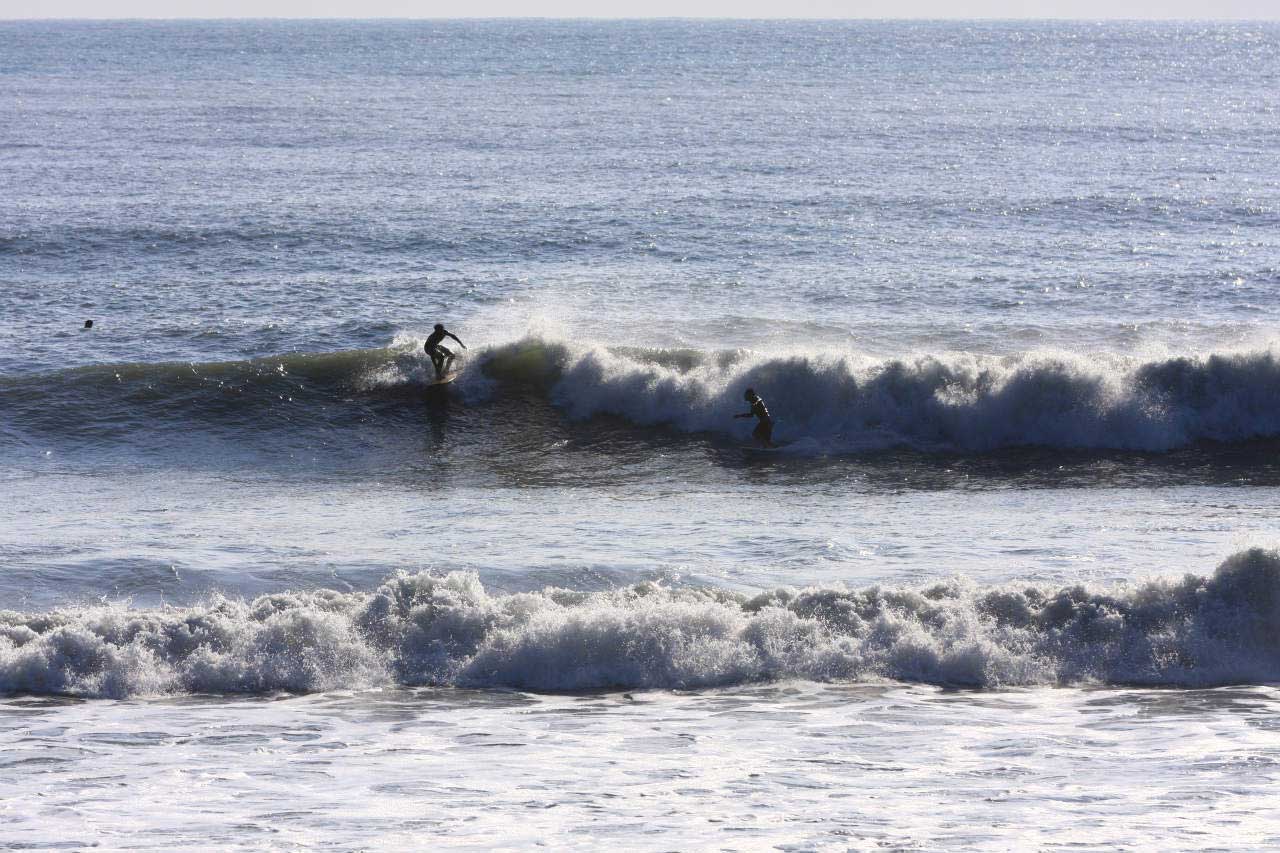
(449, 630)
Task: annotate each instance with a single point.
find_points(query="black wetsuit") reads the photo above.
(763, 432)
(440, 356)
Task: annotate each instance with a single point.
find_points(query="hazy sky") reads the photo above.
(1089, 9)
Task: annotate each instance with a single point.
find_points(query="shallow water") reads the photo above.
(793, 766)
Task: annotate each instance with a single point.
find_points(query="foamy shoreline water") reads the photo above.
(795, 764)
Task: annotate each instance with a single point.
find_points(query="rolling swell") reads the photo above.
(450, 631)
(119, 402)
(836, 403)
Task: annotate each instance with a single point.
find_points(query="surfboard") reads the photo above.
(444, 380)
(755, 448)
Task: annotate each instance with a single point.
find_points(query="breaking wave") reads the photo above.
(836, 403)
(960, 402)
(449, 631)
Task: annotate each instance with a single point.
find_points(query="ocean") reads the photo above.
(1008, 289)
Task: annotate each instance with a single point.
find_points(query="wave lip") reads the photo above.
(449, 631)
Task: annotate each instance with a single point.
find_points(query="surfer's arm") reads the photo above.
(456, 338)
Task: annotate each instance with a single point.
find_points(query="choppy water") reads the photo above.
(1008, 288)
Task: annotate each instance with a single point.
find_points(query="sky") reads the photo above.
(1081, 9)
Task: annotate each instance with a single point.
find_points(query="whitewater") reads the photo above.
(421, 629)
(1008, 289)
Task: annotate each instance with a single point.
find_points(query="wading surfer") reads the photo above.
(441, 357)
(763, 433)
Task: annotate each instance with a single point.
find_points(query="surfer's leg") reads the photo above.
(763, 433)
(445, 356)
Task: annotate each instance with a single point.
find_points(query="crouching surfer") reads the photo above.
(763, 433)
(441, 357)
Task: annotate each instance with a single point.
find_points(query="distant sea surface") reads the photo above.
(1008, 289)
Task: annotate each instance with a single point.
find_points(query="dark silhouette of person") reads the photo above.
(441, 357)
(763, 433)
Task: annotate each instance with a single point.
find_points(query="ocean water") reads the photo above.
(1009, 290)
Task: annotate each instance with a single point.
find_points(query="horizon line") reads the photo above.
(647, 18)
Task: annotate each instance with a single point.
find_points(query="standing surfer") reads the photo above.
(763, 433)
(441, 357)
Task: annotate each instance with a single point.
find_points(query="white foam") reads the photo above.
(424, 629)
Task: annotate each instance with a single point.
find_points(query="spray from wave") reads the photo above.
(426, 629)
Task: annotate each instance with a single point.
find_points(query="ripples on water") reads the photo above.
(802, 765)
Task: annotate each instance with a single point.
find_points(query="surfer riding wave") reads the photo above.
(441, 357)
(763, 433)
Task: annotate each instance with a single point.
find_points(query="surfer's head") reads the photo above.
(439, 327)
(750, 394)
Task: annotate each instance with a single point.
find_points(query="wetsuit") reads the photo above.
(763, 432)
(440, 356)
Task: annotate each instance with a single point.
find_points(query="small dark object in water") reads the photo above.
(88, 324)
